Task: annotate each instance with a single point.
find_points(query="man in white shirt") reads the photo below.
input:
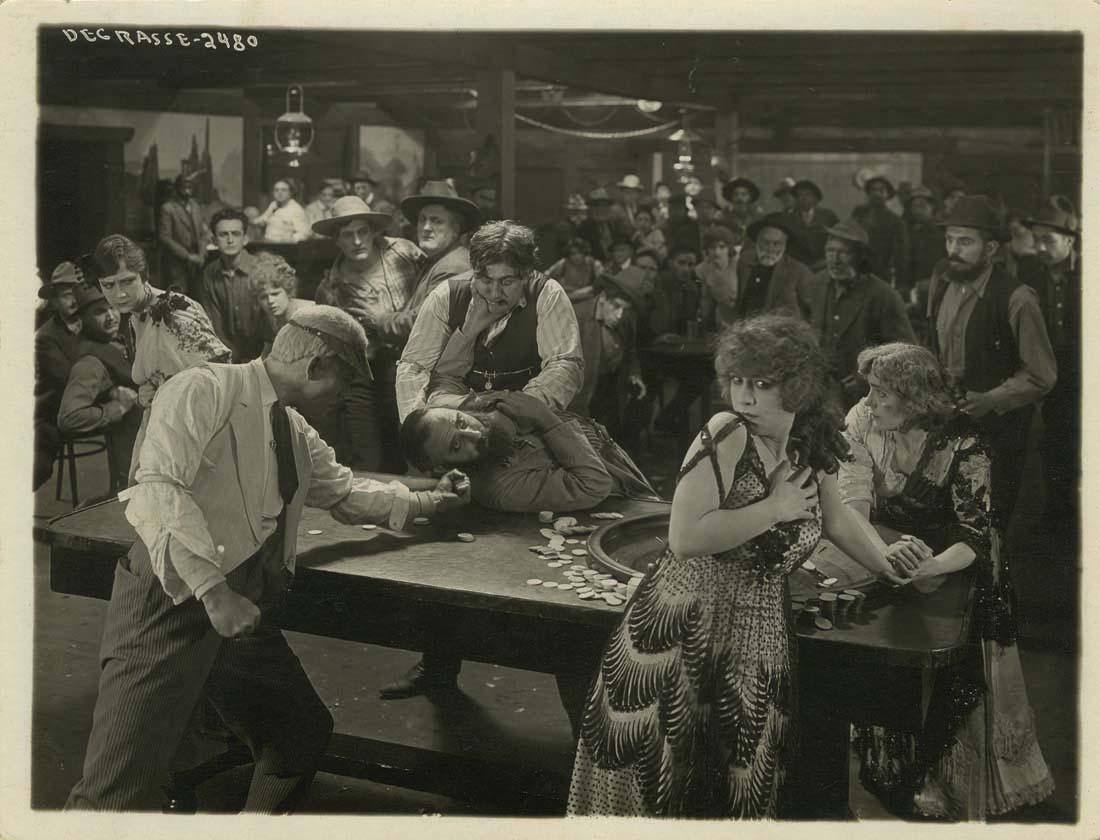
(225, 471)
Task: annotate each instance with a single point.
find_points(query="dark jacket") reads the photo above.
(55, 351)
(808, 242)
(791, 286)
(591, 331)
(674, 304)
(866, 314)
(889, 243)
(181, 232)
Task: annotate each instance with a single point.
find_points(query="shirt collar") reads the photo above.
(979, 285)
(267, 391)
(245, 263)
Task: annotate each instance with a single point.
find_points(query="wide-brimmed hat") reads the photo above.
(341, 333)
(921, 192)
(87, 294)
(630, 182)
(65, 276)
(346, 209)
(576, 202)
(364, 176)
(785, 186)
(631, 282)
(704, 198)
(774, 220)
(442, 193)
(599, 196)
(730, 186)
(881, 179)
(850, 231)
(1060, 218)
(976, 211)
(807, 184)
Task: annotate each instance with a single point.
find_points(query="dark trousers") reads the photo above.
(156, 659)
(1008, 435)
(1061, 451)
(47, 442)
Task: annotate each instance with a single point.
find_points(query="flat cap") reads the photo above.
(342, 334)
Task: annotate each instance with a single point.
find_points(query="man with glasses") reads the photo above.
(501, 327)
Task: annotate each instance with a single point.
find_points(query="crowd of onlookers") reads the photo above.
(637, 269)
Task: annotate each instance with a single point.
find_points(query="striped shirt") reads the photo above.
(557, 337)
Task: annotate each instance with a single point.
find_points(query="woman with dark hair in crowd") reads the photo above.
(164, 333)
(577, 271)
(923, 469)
(693, 708)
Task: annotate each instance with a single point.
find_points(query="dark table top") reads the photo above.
(432, 565)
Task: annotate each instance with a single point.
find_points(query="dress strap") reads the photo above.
(709, 449)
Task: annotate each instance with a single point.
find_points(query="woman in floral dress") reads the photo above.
(164, 333)
(693, 708)
(923, 469)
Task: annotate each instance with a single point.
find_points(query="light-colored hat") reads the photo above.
(785, 186)
(442, 193)
(346, 209)
(630, 182)
(341, 333)
(850, 231)
(66, 275)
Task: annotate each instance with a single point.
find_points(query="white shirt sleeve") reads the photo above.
(425, 345)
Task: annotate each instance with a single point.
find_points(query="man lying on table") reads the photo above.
(225, 471)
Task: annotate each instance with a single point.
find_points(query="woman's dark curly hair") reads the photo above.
(115, 251)
(784, 350)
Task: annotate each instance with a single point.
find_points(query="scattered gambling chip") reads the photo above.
(313, 532)
(550, 584)
(546, 516)
(579, 552)
(584, 529)
(612, 600)
(564, 522)
(810, 566)
(538, 549)
(534, 581)
(609, 514)
(567, 586)
(465, 537)
(572, 541)
(823, 624)
(591, 574)
(369, 527)
(828, 581)
(603, 576)
(587, 595)
(421, 520)
(605, 584)
(555, 564)
(580, 567)
(549, 533)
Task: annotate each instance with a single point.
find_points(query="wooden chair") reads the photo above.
(80, 446)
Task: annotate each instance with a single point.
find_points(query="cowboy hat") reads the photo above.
(65, 276)
(807, 184)
(443, 194)
(921, 192)
(785, 186)
(630, 182)
(881, 179)
(365, 177)
(1057, 215)
(780, 221)
(87, 294)
(599, 196)
(850, 231)
(347, 209)
(975, 211)
(730, 186)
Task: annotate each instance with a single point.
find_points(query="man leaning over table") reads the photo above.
(225, 471)
(503, 327)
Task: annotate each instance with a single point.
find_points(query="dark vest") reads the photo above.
(513, 359)
(991, 352)
(113, 357)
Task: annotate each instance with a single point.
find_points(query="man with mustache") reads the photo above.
(989, 334)
(853, 309)
(770, 279)
(522, 456)
(1057, 231)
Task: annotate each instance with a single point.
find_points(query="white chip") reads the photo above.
(586, 595)
(550, 584)
(555, 564)
(534, 581)
(314, 532)
(828, 581)
(591, 574)
(810, 566)
(580, 567)
(579, 552)
(603, 576)
(612, 600)
(564, 522)
(546, 516)
(572, 542)
(606, 584)
(567, 586)
(548, 533)
(369, 527)
(421, 520)
(465, 537)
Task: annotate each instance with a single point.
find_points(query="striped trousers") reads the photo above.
(156, 659)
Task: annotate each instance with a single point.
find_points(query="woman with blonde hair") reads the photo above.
(922, 469)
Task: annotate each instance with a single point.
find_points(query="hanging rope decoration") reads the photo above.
(599, 135)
